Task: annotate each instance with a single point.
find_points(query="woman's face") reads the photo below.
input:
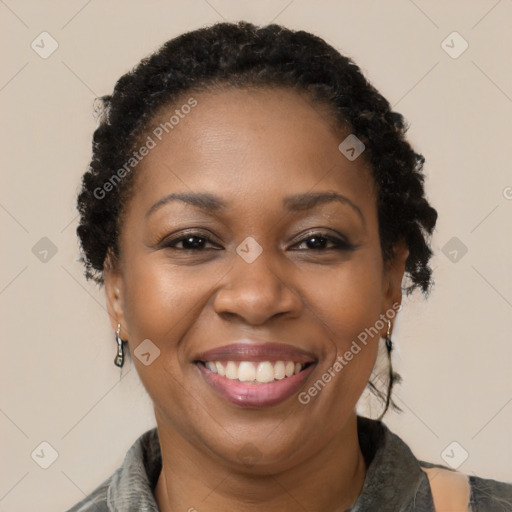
(271, 255)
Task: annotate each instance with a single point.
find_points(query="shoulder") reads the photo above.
(131, 486)
(490, 495)
(453, 491)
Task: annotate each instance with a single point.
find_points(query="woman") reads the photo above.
(252, 207)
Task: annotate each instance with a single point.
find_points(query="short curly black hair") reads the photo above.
(244, 55)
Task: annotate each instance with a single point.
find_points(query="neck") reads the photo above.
(330, 480)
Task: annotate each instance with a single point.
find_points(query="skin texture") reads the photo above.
(252, 148)
(450, 489)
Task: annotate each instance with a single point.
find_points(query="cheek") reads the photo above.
(162, 302)
(347, 300)
(161, 299)
(346, 304)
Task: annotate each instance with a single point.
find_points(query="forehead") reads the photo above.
(248, 140)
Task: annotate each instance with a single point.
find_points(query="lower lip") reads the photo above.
(247, 394)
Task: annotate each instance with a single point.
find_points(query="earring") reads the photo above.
(389, 343)
(392, 375)
(119, 360)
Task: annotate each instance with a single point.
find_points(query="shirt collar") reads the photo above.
(132, 486)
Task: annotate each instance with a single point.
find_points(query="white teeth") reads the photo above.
(231, 370)
(211, 366)
(246, 372)
(220, 369)
(279, 370)
(252, 371)
(265, 372)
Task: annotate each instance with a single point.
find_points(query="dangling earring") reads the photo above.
(393, 377)
(389, 343)
(119, 360)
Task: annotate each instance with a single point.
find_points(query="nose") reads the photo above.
(257, 292)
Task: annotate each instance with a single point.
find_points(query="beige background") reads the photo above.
(454, 350)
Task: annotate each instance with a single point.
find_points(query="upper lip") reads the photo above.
(249, 350)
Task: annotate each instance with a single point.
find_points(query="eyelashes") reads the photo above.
(320, 238)
(186, 240)
(318, 241)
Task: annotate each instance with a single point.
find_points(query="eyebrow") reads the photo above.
(204, 201)
(300, 202)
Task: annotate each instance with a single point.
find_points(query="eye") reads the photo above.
(190, 242)
(322, 242)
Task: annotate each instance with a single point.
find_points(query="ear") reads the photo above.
(393, 274)
(114, 291)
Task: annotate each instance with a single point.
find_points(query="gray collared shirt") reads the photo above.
(394, 480)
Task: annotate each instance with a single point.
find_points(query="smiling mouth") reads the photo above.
(255, 372)
(252, 374)
(255, 384)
